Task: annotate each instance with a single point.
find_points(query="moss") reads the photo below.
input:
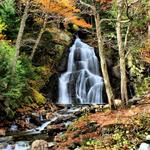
(145, 86)
(59, 49)
(38, 97)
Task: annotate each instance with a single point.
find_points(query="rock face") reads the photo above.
(39, 145)
(60, 36)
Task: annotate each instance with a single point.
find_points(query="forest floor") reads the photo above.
(124, 128)
(101, 129)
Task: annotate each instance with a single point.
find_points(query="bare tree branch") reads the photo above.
(126, 36)
(122, 21)
(87, 5)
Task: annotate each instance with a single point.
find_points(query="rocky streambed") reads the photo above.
(71, 127)
(50, 124)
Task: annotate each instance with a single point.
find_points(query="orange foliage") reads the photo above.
(145, 53)
(64, 8)
(2, 37)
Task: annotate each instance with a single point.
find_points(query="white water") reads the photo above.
(81, 83)
(21, 145)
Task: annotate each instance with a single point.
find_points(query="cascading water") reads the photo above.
(82, 83)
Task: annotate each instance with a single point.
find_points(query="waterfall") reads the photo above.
(81, 83)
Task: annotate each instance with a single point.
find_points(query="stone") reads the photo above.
(60, 36)
(39, 145)
(55, 129)
(51, 144)
(106, 106)
(117, 102)
(2, 132)
(134, 100)
(35, 119)
(148, 137)
(146, 144)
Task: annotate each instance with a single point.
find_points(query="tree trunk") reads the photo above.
(20, 34)
(103, 61)
(38, 38)
(124, 93)
(149, 23)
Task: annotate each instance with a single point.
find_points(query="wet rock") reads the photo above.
(35, 119)
(64, 118)
(134, 100)
(39, 145)
(3, 145)
(13, 128)
(55, 129)
(6, 138)
(78, 114)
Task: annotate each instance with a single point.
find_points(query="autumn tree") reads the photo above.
(57, 11)
(63, 9)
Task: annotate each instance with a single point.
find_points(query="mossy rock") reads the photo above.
(38, 97)
(59, 49)
(60, 36)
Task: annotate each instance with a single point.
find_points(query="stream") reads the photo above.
(21, 140)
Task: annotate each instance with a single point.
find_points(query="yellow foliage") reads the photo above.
(38, 97)
(39, 20)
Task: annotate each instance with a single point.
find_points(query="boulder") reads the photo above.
(39, 145)
(117, 102)
(146, 144)
(2, 132)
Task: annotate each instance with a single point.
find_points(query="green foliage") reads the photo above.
(142, 88)
(63, 137)
(9, 17)
(93, 142)
(2, 25)
(15, 90)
